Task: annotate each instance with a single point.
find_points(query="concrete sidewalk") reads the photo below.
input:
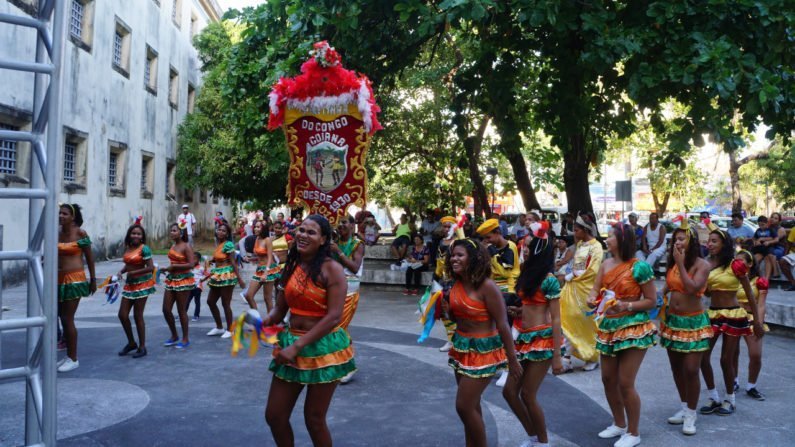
(402, 395)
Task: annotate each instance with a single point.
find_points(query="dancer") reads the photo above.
(482, 343)
(223, 277)
(625, 332)
(179, 283)
(281, 242)
(579, 329)
(315, 352)
(349, 252)
(685, 330)
(139, 285)
(759, 286)
(540, 338)
(267, 268)
(725, 278)
(440, 274)
(73, 245)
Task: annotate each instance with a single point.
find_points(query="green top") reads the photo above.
(403, 230)
(146, 253)
(85, 242)
(229, 247)
(642, 272)
(550, 288)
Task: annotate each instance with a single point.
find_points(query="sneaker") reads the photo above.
(60, 362)
(446, 347)
(226, 334)
(215, 331)
(790, 288)
(503, 378)
(347, 378)
(566, 362)
(68, 365)
(689, 424)
(726, 409)
(677, 418)
(755, 394)
(181, 345)
(169, 343)
(194, 319)
(243, 297)
(612, 431)
(590, 366)
(710, 407)
(736, 386)
(139, 353)
(530, 442)
(627, 441)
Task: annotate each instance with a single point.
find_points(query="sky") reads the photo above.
(239, 4)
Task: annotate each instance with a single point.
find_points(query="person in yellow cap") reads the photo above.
(504, 256)
(450, 234)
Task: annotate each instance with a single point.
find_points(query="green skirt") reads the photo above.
(222, 277)
(685, 332)
(324, 361)
(624, 331)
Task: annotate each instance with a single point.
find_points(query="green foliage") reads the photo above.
(779, 172)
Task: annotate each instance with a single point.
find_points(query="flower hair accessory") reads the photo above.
(325, 55)
(138, 220)
(182, 224)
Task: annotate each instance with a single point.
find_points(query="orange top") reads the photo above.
(73, 248)
(176, 258)
(138, 255)
(674, 282)
(304, 297)
(620, 281)
(222, 251)
(549, 289)
(466, 308)
(260, 251)
(537, 299)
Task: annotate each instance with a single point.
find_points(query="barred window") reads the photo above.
(112, 166)
(76, 20)
(147, 72)
(69, 159)
(117, 42)
(8, 153)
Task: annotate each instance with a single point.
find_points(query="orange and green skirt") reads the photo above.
(72, 285)
(326, 360)
(732, 321)
(179, 282)
(535, 344)
(222, 277)
(685, 332)
(624, 331)
(139, 287)
(477, 355)
(267, 273)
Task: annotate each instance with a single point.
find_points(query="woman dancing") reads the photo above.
(73, 245)
(684, 328)
(222, 281)
(539, 342)
(759, 286)
(725, 278)
(315, 352)
(625, 332)
(179, 283)
(140, 283)
(482, 343)
(281, 243)
(267, 269)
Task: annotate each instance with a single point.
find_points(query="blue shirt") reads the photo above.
(742, 232)
(504, 228)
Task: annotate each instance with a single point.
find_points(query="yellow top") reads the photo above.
(791, 240)
(722, 279)
(280, 244)
(503, 271)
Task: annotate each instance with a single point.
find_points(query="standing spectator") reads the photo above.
(567, 228)
(418, 257)
(199, 274)
(428, 226)
(739, 232)
(765, 241)
(370, 232)
(280, 217)
(503, 224)
(637, 229)
(703, 231)
(188, 220)
(652, 241)
(402, 240)
(519, 229)
(788, 262)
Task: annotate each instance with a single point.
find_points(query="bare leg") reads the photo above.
(754, 357)
(182, 311)
(727, 362)
(706, 366)
(124, 318)
(786, 269)
(692, 383)
(676, 359)
(168, 305)
(226, 302)
(610, 380)
(628, 365)
(511, 395)
(68, 309)
(281, 401)
(467, 404)
(212, 303)
(531, 382)
(318, 399)
(267, 292)
(138, 313)
(251, 292)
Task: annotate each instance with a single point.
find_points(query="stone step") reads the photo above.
(378, 252)
(390, 277)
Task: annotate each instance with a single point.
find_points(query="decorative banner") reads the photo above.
(328, 115)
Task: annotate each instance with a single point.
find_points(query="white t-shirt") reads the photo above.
(189, 220)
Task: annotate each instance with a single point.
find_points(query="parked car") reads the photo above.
(553, 216)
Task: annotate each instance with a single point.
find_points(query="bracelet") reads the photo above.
(629, 307)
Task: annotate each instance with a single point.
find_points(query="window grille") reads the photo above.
(112, 165)
(8, 153)
(76, 19)
(117, 41)
(70, 151)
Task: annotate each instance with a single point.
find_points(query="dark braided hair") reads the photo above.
(323, 254)
(478, 262)
(537, 266)
(625, 236)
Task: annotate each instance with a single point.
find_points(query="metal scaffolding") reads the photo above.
(45, 137)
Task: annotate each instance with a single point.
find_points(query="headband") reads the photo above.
(471, 242)
(581, 222)
(715, 229)
(71, 207)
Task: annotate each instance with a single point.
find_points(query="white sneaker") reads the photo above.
(60, 362)
(612, 431)
(226, 334)
(215, 331)
(68, 365)
(347, 378)
(677, 418)
(590, 366)
(689, 424)
(447, 346)
(531, 441)
(627, 441)
(243, 296)
(503, 378)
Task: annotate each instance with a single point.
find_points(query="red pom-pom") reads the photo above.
(762, 283)
(739, 268)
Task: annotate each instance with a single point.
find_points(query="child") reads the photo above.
(196, 294)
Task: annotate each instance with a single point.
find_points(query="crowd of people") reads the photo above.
(513, 303)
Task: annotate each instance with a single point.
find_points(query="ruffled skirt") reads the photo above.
(685, 332)
(222, 277)
(535, 344)
(730, 321)
(624, 331)
(477, 355)
(72, 285)
(326, 360)
(179, 282)
(348, 309)
(267, 273)
(139, 287)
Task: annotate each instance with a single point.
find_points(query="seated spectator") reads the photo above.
(787, 262)
(563, 257)
(370, 231)
(429, 224)
(519, 229)
(419, 257)
(633, 222)
(764, 240)
(400, 244)
(652, 241)
(739, 232)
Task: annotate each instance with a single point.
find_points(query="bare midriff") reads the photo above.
(683, 303)
(723, 298)
(533, 316)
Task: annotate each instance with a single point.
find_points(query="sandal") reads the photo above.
(127, 349)
(139, 353)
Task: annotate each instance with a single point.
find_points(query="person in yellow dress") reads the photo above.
(579, 328)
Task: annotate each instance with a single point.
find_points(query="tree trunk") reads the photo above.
(472, 146)
(523, 183)
(576, 165)
(660, 206)
(734, 178)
